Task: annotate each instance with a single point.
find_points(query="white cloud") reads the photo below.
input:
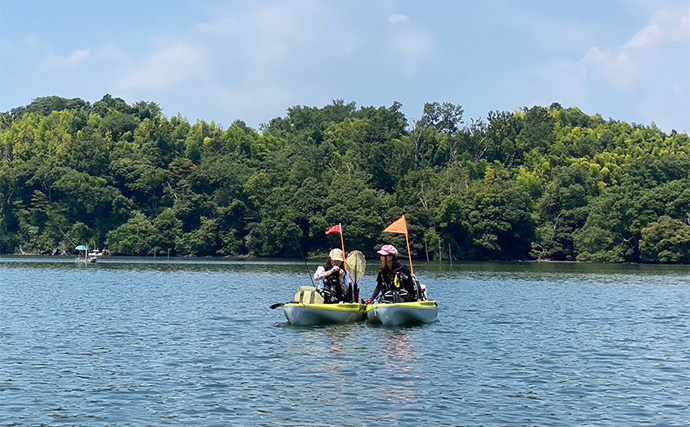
(276, 20)
(410, 49)
(621, 68)
(665, 26)
(650, 36)
(398, 18)
(223, 26)
(647, 77)
(638, 59)
(34, 42)
(110, 52)
(167, 68)
(74, 59)
(251, 58)
(413, 44)
(278, 54)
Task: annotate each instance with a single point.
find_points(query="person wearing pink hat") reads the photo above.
(394, 281)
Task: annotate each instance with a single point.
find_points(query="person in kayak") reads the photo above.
(394, 281)
(332, 278)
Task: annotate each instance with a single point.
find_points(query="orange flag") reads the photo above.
(399, 226)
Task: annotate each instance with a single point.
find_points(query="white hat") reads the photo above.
(336, 255)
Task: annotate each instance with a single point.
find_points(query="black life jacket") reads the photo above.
(400, 279)
(332, 283)
(396, 279)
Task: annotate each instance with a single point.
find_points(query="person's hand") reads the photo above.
(342, 273)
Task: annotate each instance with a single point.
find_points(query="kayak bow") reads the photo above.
(392, 314)
(315, 314)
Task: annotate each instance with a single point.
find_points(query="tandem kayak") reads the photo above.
(316, 314)
(402, 313)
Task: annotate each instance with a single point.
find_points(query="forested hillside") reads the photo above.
(540, 183)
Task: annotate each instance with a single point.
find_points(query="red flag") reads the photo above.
(399, 226)
(334, 229)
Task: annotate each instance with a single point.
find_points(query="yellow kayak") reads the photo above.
(402, 313)
(315, 314)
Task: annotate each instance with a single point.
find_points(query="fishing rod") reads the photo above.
(280, 304)
(304, 260)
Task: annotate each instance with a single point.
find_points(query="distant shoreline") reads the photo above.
(371, 261)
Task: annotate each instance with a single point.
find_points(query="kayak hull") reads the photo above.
(317, 314)
(404, 313)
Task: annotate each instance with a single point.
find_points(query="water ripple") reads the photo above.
(182, 343)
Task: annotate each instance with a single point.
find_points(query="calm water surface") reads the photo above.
(144, 342)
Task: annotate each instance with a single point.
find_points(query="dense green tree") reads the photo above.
(118, 125)
(202, 241)
(539, 183)
(489, 221)
(48, 104)
(606, 235)
(563, 208)
(537, 132)
(666, 240)
(137, 236)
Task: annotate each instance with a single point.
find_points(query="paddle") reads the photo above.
(280, 304)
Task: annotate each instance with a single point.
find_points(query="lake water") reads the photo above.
(193, 342)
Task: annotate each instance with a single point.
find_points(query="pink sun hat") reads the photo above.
(388, 250)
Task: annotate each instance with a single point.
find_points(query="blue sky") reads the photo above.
(227, 60)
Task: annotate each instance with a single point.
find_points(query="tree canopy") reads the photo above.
(539, 183)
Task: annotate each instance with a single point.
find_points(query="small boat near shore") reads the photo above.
(402, 313)
(87, 257)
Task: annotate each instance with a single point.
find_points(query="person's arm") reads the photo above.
(321, 272)
(378, 287)
(318, 277)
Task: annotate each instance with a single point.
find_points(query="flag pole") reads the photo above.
(409, 253)
(342, 244)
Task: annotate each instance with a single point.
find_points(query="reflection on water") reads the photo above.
(193, 342)
(337, 337)
(398, 347)
(399, 357)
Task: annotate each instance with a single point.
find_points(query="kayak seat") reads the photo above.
(397, 296)
(329, 298)
(308, 295)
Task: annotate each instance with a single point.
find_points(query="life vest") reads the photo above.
(388, 280)
(332, 282)
(400, 281)
(397, 281)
